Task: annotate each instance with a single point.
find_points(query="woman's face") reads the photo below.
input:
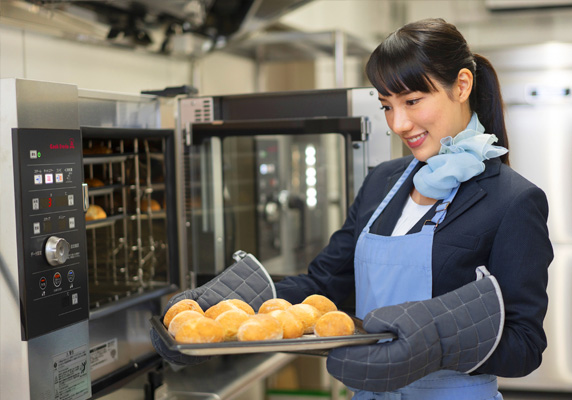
(421, 119)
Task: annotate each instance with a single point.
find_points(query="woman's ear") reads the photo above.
(464, 84)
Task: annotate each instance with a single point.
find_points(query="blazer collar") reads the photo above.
(469, 193)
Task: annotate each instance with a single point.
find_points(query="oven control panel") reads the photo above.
(51, 229)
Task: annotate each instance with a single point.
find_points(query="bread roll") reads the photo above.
(274, 304)
(231, 321)
(260, 327)
(291, 327)
(306, 314)
(183, 305)
(94, 182)
(225, 305)
(200, 330)
(216, 310)
(97, 149)
(181, 318)
(334, 323)
(243, 305)
(155, 206)
(322, 303)
(95, 212)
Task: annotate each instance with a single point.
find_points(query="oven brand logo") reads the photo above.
(63, 146)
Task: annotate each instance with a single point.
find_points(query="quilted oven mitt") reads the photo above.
(456, 331)
(246, 280)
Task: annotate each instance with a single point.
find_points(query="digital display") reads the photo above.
(47, 226)
(45, 202)
(62, 224)
(56, 201)
(61, 201)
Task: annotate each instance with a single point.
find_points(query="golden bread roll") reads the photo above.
(291, 327)
(260, 327)
(334, 323)
(231, 321)
(274, 304)
(226, 305)
(322, 303)
(220, 307)
(155, 206)
(306, 314)
(183, 305)
(95, 212)
(94, 182)
(181, 318)
(200, 330)
(97, 149)
(243, 305)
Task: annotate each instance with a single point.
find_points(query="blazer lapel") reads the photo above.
(470, 192)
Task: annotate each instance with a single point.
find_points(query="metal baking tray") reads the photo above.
(307, 344)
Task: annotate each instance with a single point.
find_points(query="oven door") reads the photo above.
(275, 188)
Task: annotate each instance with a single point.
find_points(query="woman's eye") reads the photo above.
(385, 108)
(412, 102)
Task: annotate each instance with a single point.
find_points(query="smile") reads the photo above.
(416, 140)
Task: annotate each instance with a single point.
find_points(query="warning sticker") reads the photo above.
(71, 375)
(103, 354)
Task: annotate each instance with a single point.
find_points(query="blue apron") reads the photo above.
(394, 269)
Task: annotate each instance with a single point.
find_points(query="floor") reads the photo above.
(513, 395)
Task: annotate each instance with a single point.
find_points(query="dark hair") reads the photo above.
(419, 53)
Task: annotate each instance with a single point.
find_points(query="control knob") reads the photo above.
(57, 250)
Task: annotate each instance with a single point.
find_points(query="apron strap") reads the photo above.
(390, 195)
(441, 209)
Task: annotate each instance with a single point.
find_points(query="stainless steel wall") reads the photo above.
(536, 83)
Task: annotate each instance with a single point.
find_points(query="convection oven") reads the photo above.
(90, 242)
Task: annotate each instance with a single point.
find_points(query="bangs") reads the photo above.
(394, 69)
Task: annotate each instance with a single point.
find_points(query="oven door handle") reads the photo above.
(85, 193)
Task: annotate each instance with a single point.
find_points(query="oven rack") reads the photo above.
(128, 249)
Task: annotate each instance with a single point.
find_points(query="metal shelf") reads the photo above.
(89, 159)
(105, 190)
(100, 223)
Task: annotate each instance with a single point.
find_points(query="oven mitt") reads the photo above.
(456, 331)
(246, 280)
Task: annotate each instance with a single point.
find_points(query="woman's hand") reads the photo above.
(457, 331)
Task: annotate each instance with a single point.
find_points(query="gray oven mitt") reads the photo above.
(246, 280)
(456, 331)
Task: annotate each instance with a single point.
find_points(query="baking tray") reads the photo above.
(307, 344)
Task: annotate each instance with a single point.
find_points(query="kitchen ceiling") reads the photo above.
(144, 23)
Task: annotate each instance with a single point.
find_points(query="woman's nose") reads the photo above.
(401, 122)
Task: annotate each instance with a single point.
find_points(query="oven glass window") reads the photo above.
(280, 198)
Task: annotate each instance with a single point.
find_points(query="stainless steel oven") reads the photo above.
(90, 238)
(274, 173)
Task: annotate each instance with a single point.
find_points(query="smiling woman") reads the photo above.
(406, 246)
(431, 58)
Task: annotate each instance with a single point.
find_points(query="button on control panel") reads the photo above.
(52, 241)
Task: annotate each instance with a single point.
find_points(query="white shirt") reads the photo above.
(412, 213)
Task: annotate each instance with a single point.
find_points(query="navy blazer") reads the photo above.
(497, 219)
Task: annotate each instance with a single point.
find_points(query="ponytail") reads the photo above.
(486, 101)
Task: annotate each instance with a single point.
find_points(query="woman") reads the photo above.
(422, 225)
(436, 94)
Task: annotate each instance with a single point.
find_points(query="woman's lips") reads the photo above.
(416, 141)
